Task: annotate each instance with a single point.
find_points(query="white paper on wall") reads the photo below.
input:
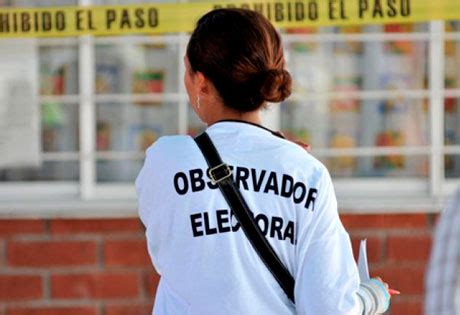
(20, 141)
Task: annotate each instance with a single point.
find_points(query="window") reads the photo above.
(378, 104)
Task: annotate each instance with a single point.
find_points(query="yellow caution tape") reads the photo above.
(181, 17)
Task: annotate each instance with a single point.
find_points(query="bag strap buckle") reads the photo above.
(219, 173)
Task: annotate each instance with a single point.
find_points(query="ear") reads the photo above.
(202, 84)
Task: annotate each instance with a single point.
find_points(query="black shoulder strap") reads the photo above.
(220, 173)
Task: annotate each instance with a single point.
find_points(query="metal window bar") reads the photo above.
(183, 107)
(436, 85)
(87, 121)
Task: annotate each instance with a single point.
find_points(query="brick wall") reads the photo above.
(101, 267)
(74, 267)
(399, 246)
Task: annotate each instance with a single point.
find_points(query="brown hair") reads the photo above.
(242, 54)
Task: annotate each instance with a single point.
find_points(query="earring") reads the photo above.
(198, 102)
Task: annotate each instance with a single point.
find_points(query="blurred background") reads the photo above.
(379, 105)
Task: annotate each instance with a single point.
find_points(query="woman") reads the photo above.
(234, 65)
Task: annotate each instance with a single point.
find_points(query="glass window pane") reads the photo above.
(60, 127)
(134, 126)
(118, 170)
(58, 70)
(48, 171)
(452, 166)
(395, 165)
(452, 64)
(452, 26)
(452, 121)
(136, 68)
(351, 123)
(352, 66)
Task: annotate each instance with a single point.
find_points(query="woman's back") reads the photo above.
(207, 264)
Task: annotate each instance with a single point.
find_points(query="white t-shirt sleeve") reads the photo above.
(144, 185)
(148, 188)
(327, 279)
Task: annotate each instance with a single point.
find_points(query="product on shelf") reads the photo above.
(103, 136)
(345, 111)
(59, 76)
(303, 46)
(107, 78)
(52, 82)
(305, 119)
(343, 165)
(144, 135)
(452, 105)
(390, 138)
(52, 118)
(148, 81)
(399, 121)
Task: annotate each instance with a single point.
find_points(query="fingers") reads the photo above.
(387, 287)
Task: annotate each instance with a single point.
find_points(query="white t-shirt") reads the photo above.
(206, 263)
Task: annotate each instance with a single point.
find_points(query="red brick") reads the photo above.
(151, 283)
(406, 307)
(126, 253)
(2, 254)
(51, 253)
(128, 309)
(372, 221)
(20, 287)
(12, 226)
(53, 311)
(374, 248)
(407, 280)
(99, 286)
(96, 226)
(409, 248)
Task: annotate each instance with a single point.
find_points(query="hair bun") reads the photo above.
(276, 86)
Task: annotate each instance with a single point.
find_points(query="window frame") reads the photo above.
(86, 197)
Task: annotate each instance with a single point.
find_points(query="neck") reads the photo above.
(229, 114)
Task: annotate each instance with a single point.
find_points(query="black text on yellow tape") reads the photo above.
(181, 17)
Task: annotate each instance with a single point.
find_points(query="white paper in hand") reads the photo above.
(363, 268)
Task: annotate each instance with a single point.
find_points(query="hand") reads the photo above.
(390, 291)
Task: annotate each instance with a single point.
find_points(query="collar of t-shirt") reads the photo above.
(243, 126)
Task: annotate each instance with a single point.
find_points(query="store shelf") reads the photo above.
(451, 149)
(355, 37)
(133, 98)
(62, 99)
(360, 95)
(452, 93)
(119, 155)
(60, 156)
(371, 151)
